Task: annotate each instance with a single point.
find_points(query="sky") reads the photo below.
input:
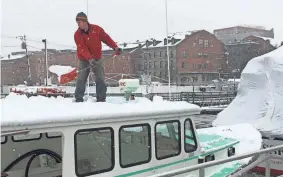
(127, 20)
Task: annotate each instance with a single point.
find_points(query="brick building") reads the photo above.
(237, 33)
(151, 59)
(201, 57)
(242, 52)
(14, 69)
(198, 54)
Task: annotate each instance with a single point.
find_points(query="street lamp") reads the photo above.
(46, 62)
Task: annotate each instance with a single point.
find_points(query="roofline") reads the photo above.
(238, 26)
(59, 122)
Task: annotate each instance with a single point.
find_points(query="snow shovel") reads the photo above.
(70, 76)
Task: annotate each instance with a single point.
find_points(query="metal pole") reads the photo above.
(46, 61)
(168, 58)
(27, 58)
(88, 89)
(267, 166)
(87, 7)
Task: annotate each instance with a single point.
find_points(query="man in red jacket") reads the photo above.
(88, 39)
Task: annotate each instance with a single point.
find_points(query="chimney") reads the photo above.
(146, 43)
(165, 41)
(173, 41)
(154, 42)
(9, 56)
(125, 45)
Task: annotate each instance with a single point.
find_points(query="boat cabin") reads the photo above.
(126, 140)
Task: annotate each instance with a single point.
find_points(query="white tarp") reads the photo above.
(260, 95)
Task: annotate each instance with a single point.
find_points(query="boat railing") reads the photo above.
(263, 156)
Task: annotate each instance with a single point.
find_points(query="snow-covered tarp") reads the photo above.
(259, 100)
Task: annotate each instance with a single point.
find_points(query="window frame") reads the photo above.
(193, 133)
(5, 140)
(149, 143)
(179, 142)
(112, 148)
(22, 140)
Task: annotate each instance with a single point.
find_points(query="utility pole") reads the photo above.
(24, 46)
(46, 62)
(168, 58)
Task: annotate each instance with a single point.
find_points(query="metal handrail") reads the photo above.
(201, 167)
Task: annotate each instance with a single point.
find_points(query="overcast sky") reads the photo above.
(128, 20)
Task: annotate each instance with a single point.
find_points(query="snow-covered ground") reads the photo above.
(260, 96)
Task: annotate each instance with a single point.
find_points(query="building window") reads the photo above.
(167, 139)
(99, 145)
(149, 65)
(154, 54)
(160, 54)
(190, 137)
(205, 43)
(155, 64)
(199, 55)
(171, 53)
(166, 54)
(154, 74)
(149, 55)
(166, 64)
(200, 41)
(133, 140)
(202, 77)
(145, 55)
(183, 65)
(205, 55)
(161, 63)
(184, 54)
(145, 65)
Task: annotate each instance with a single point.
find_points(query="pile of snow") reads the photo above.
(260, 95)
(239, 132)
(20, 110)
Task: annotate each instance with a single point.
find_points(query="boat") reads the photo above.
(138, 137)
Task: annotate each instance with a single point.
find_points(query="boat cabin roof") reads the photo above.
(20, 112)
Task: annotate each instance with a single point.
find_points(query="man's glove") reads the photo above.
(92, 62)
(118, 51)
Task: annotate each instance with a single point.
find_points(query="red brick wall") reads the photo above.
(15, 72)
(265, 46)
(212, 58)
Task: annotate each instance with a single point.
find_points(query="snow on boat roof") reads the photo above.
(20, 111)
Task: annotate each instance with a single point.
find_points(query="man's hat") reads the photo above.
(81, 16)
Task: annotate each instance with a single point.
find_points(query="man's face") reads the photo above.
(81, 24)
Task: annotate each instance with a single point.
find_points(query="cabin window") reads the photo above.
(3, 139)
(44, 159)
(26, 137)
(190, 138)
(54, 135)
(167, 139)
(94, 151)
(135, 145)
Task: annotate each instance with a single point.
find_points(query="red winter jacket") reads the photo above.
(89, 43)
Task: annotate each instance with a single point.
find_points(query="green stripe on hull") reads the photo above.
(227, 170)
(184, 160)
